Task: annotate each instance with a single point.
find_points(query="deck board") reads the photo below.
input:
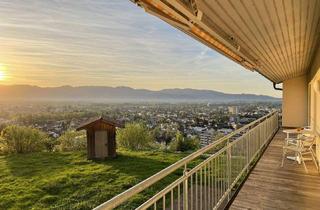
(271, 187)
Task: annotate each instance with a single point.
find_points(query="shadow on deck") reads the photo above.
(271, 187)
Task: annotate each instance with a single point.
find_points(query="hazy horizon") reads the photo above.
(110, 43)
(125, 95)
(121, 86)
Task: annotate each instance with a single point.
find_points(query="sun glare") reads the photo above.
(2, 72)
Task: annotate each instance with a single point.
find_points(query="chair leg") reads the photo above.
(283, 156)
(312, 151)
(303, 163)
(314, 160)
(314, 154)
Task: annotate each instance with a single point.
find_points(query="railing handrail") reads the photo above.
(126, 195)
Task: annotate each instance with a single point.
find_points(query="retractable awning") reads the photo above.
(276, 38)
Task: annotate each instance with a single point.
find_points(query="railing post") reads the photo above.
(228, 166)
(277, 120)
(247, 150)
(185, 190)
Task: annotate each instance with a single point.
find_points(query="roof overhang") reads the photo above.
(90, 123)
(275, 38)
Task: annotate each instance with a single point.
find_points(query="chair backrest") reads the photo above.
(307, 132)
(308, 141)
(308, 127)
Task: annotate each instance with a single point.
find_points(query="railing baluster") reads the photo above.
(248, 151)
(179, 196)
(196, 190)
(215, 182)
(205, 186)
(219, 178)
(225, 183)
(212, 184)
(201, 188)
(228, 165)
(223, 174)
(164, 202)
(208, 185)
(185, 194)
(171, 201)
(191, 191)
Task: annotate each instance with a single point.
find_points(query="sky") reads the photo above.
(110, 43)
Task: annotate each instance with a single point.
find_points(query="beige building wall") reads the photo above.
(295, 102)
(315, 67)
(314, 98)
(314, 112)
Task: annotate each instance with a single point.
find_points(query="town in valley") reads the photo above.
(205, 121)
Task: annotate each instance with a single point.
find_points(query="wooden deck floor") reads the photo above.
(271, 187)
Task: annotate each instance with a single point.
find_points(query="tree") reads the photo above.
(21, 139)
(181, 143)
(135, 136)
(72, 141)
(163, 136)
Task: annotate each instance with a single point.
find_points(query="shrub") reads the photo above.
(50, 143)
(156, 146)
(21, 139)
(2, 126)
(183, 144)
(135, 136)
(72, 141)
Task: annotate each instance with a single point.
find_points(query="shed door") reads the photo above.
(101, 144)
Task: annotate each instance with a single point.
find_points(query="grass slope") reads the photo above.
(70, 181)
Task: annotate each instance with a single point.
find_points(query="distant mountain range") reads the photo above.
(123, 94)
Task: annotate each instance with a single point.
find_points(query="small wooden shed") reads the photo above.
(101, 138)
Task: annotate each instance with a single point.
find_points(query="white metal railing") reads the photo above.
(209, 184)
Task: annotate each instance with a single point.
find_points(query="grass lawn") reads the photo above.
(70, 181)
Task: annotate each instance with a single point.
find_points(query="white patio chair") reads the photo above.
(303, 147)
(291, 141)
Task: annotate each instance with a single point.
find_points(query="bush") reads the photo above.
(21, 139)
(135, 136)
(183, 144)
(49, 144)
(2, 126)
(72, 141)
(156, 146)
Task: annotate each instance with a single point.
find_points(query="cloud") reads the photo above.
(114, 43)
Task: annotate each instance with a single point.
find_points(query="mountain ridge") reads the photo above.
(124, 94)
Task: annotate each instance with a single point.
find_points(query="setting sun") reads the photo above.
(2, 72)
